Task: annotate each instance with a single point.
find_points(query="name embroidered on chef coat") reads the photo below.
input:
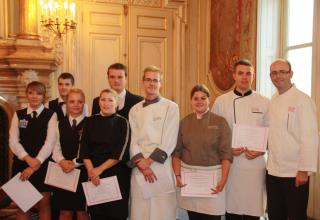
(157, 118)
(291, 109)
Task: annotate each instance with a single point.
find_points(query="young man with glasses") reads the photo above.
(245, 190)
(293, 146)
(117, 78)
(154, 125)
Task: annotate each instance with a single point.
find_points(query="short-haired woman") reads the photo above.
(32, 138)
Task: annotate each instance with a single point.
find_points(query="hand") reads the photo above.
(26, 174)
(237, 151)
(219, 187)
(67, 165)
(96, 181)
(252, 154)
(143, 164)
(94, 174)
(149, 175)
(301, 178)
(179, 182)
(34, 163)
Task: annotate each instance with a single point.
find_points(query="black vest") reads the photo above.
(54, 105)
(69, 138)
(33, 131)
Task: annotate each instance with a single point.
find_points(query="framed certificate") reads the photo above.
(252, 137)
(198, 182)
(57, 178)
(23, 193)
(107, 191)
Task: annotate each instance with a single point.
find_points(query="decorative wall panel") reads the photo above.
(105, 50)
(148, 3)
(103, 36)
(106, 19)
(233, 36)
(153, 23)
(151, 50)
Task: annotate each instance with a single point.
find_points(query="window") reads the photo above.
(298, 41)
(286, 29)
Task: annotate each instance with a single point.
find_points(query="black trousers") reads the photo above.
(285, 200)
(201, 216)
(230, 216)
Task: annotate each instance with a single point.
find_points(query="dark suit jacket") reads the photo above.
(54, 105)
(129, 101)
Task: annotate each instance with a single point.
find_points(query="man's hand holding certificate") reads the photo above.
(252, 137)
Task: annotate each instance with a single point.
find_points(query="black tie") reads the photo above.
(34, 114)
(61, 104)
(74, 124)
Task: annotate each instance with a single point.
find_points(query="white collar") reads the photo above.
(78, 119)
(200, 116)
(122, 94)
(60, 99)
(38, 110)
(293, 87)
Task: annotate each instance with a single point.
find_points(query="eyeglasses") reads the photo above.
(279, 73)
(148, 80)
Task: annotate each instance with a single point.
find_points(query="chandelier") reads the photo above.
(58, 16)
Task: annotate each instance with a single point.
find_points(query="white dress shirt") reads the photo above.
(46, 149)
(121, 100)
(57, 155)
(293, 134)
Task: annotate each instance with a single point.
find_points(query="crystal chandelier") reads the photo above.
(58, 16)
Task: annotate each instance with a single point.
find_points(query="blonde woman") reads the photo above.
(65, 154)
(104, 150)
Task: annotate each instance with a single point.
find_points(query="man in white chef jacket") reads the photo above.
(293, 146)
(154, 125)
(245, 191)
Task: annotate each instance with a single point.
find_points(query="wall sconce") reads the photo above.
(58, 16)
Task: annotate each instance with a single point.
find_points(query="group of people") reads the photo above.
(133, 137)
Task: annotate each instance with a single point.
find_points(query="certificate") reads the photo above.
(22, 193)
(107, 191)
(252, 137)
(198, 182)
(56, 177)
(163, 184)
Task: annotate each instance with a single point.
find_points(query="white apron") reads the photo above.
(160, 207)
(245, 188)
(206, 205)
(251, 174)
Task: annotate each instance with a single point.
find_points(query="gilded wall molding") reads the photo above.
(112, 1)
(148, 3)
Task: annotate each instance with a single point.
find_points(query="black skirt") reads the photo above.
(71, 201)
(119, 208)
(37, 178)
